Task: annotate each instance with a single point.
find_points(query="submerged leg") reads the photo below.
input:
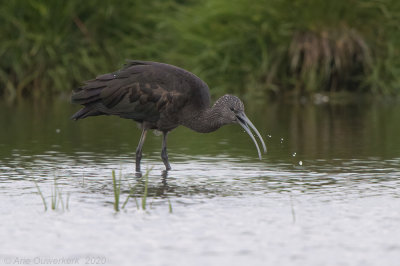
(164, 153)
(139, 149)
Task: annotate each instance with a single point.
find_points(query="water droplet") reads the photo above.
(300, 162)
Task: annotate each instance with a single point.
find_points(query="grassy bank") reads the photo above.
(264, 48)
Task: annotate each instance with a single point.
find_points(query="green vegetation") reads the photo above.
(264, 48)
(144, 180)
(145, 192)
(117, 190)
(170, 206)
(41, 196)
(57, 201)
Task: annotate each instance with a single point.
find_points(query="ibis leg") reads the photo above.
(164, 153)
(139, 149)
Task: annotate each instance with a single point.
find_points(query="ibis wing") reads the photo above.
(139, 91)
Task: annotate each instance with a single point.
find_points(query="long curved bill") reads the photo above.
(246, 124)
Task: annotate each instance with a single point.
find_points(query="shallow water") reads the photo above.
(326, 193)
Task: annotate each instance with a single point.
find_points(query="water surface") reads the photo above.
(326, 193)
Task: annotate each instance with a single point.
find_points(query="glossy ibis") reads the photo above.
(160, 96)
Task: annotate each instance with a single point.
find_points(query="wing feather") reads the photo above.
(142, 91)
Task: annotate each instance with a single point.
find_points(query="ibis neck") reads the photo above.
(208, 120)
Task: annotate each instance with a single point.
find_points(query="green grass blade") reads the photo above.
(170, 206)
(144, 197)
(117, 191)
(41, 195)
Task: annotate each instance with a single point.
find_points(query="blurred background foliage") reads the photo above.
(259, 48)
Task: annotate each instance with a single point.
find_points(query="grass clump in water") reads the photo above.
(57, 200)
(132, 192)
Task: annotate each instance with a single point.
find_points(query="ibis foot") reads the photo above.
(138, 174)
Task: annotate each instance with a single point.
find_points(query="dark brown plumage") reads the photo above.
(159, 96)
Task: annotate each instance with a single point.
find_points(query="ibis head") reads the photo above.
(232, 111)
